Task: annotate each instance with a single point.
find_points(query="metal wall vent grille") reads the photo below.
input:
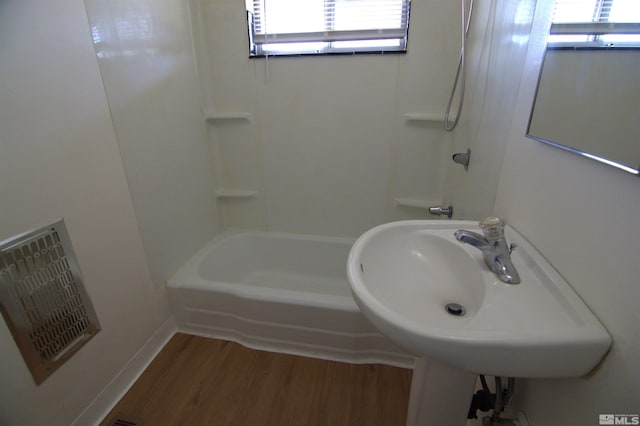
(43, 299)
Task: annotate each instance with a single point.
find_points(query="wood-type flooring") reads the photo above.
(199, 381)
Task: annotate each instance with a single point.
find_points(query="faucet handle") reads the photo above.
(493, 228)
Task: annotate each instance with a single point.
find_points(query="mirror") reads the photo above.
(588, 102)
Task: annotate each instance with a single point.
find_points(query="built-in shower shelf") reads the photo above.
(413, 202)
(214, 116)
(236, 193)
(426, 117)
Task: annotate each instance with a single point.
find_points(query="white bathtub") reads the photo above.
(278, 292)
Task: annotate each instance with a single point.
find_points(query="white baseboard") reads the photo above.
(115, 390)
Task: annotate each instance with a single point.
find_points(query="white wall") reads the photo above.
(583, 217)
(496, 52)
(146, 59)
(59, 157)
(326, 147)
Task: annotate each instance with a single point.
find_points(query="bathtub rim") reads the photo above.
(187, 276)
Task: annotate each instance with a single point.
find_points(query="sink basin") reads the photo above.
(404, 274)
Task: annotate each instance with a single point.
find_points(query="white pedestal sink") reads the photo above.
(440, 394)
(403, 274)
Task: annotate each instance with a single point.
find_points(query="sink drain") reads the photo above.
(455, 309)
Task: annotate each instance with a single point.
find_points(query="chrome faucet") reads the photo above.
(497, 255)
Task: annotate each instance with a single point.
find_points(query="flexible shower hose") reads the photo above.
(462, 68)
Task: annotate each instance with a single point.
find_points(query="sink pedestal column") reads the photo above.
(440, 395)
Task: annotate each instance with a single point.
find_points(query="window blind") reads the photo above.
(325, 26)
(603, 23)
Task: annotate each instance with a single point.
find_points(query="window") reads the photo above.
(295, 27)
(595, 24)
